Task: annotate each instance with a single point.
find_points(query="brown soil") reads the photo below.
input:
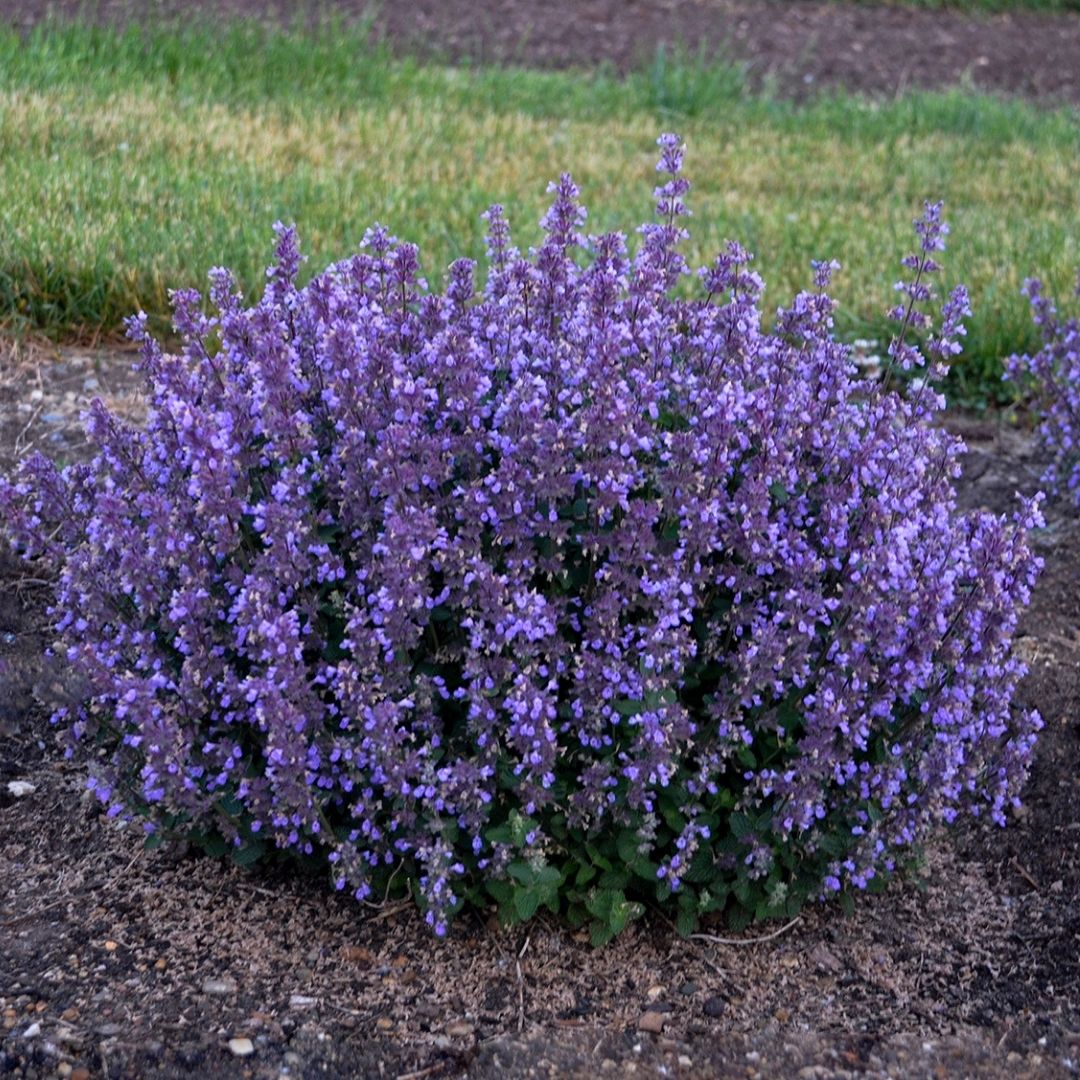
(131, 964)
(800, 46)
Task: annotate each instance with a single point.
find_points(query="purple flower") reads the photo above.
(1054, 374)
(437, 582)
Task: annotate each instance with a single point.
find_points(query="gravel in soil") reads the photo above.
(119, 962)
(799, 46)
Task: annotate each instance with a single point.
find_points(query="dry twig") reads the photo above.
(1025, 875)
(714, 940)
(521, 987)
(419, 1074)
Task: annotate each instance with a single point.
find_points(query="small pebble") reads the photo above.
(242, 1047)
(21, 788)
(301, 1001)
(714, 1007)
(652, 1022)
(357, 954)
(33, 1031)
(219, 987)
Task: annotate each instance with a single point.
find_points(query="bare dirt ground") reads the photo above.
(116, 962)
(800, 46)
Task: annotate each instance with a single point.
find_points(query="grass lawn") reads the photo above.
(131, 162)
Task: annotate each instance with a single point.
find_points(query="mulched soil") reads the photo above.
(126, 963)
(800, 46)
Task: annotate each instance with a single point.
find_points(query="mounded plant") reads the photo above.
(1053, 374)
(582, 588)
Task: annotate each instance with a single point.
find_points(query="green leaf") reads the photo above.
(526, 901)
(599, 860)
(214, 845)
(586, 872)
(629, 707)
(789, 713)
(576, 916)
(717, 898)
(549, 876)
(615, 879)
(522, 871)
(645, 868)
(619, 917)
(738, 918)
(702, 868)
(500, 835)
(779, 493)
(248, 854)
(673, 817)
(502, 892)
(685, 922)
(600, 934)
(741, 825)
(627, 844)
(601, 901)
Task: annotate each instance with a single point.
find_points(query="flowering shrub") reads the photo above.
(566, 591)
(1055, 372)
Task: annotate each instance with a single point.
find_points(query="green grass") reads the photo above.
(132, 162)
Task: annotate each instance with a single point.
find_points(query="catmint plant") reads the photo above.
(561, 587)
(1054, 374)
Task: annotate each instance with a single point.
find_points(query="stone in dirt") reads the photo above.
(825, 959)
(219, 987)
(357, 954)
(242, 1047)
(21, 788)
(714, 1007)
(652, 1022)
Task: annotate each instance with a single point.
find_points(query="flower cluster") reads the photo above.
(564, 582)
(1055, 373)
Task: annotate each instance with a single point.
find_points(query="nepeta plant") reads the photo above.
(1054, 372)
(566, 590)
